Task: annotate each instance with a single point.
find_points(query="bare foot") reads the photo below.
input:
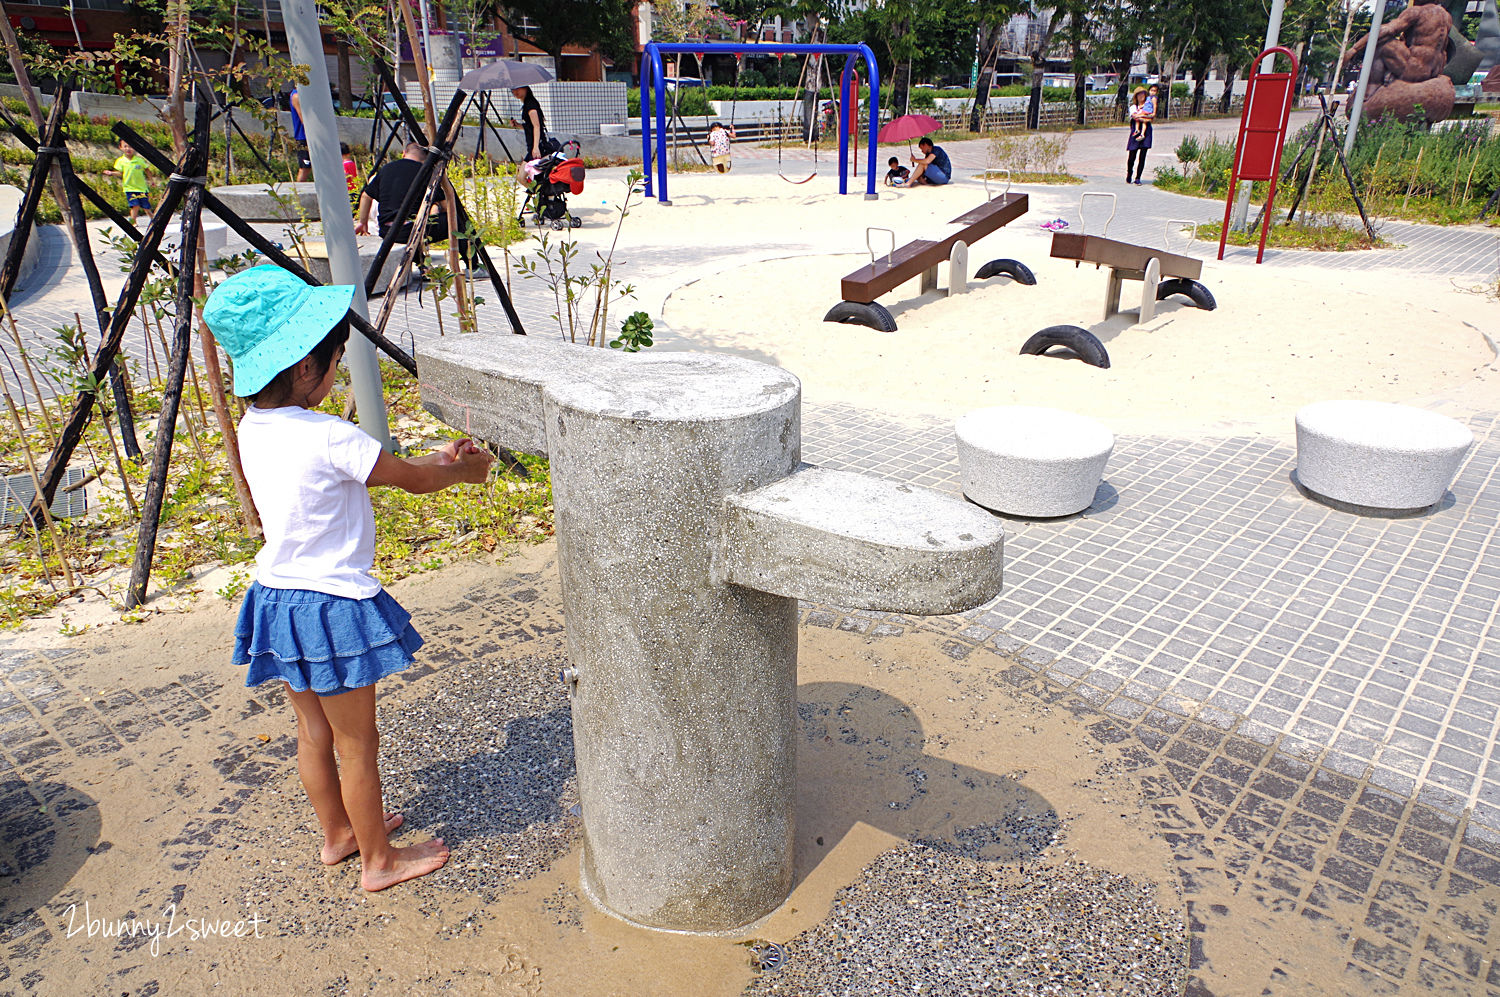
(407, 863)
(335, 852)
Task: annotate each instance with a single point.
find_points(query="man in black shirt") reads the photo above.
(387, 187)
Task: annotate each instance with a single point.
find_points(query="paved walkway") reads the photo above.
(1323, 689)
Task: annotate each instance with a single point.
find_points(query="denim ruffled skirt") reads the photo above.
(322, 643)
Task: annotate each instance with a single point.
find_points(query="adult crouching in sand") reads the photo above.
(932, 167)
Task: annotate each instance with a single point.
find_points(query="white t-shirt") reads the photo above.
(307, 473)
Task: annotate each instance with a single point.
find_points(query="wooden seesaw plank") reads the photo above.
(884, 274)
(1122, 255)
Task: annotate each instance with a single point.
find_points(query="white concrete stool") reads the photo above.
(213, 235)
(1026, 461)
(1378, 454)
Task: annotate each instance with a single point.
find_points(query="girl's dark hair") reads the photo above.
(322, 357)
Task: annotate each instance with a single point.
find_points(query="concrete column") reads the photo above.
(684, 717)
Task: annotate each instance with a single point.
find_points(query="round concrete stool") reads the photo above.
(1377, 454)
(1026, 461)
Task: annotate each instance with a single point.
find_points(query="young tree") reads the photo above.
(476, 19)
(604, 24)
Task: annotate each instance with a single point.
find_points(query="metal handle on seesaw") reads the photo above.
(985, 176)
(871, 249)
(1113, 203)
(1192, 231)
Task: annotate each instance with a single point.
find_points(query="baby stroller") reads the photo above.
(554, 176)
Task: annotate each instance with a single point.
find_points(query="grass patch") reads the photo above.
(1328, 237)
(1401, 172)
(1030, 177)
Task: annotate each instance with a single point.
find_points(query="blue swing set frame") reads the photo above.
(654, 85)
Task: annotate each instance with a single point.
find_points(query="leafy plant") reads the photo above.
(583, 297)
(635, 333)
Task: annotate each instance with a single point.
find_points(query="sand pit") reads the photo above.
(1282, 336)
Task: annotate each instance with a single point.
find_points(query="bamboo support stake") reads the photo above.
(33, 106)
(181, 358)
(41, 399)
(215, 377)
(1415, 169)
(424, 83)
(36, 481)
(109, 433)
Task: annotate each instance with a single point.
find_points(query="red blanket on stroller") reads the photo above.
(570, 172)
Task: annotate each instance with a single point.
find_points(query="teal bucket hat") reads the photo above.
(267, 319)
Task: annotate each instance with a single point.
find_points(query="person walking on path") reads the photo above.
(533, 124)
(299, 136)
(1140, 136)
(315, 619)
(131, 169)
(932, 167)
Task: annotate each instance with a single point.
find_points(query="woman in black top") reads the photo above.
(532, 122)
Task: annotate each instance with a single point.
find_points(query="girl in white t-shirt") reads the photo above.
(315, 618)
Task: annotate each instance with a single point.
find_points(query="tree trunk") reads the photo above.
(809, 96)
(989, 43)
(1034, 105)
(1200, 88)
(900, 89)
(1164, 105)
(1226, 99)
(1080, 81)
(346, 76)
(177, 32)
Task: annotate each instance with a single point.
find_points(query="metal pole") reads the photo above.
(1377, 8)
(1273, 34)
(305, 43)
(426, 41)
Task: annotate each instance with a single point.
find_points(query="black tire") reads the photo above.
(574, 221)
(1012, 268)
(558, 224)
(871, 315)
(1195, 292)
(1079, 342)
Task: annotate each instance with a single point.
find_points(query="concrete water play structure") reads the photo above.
(687, 530)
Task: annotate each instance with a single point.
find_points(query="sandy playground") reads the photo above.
(1282, 336)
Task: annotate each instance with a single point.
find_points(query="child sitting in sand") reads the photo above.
(897, 175)
(718, 146)
(315, 619)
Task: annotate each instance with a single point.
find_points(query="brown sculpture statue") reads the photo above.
(1406, 77)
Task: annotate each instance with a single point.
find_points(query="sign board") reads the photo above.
(1263, 121)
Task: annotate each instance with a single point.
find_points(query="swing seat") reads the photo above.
(794, 180)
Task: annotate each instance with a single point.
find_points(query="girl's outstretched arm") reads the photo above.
(458, 462)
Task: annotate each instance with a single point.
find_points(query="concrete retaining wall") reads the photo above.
(356, 131)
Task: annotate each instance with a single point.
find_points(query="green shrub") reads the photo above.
(1188, 150)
